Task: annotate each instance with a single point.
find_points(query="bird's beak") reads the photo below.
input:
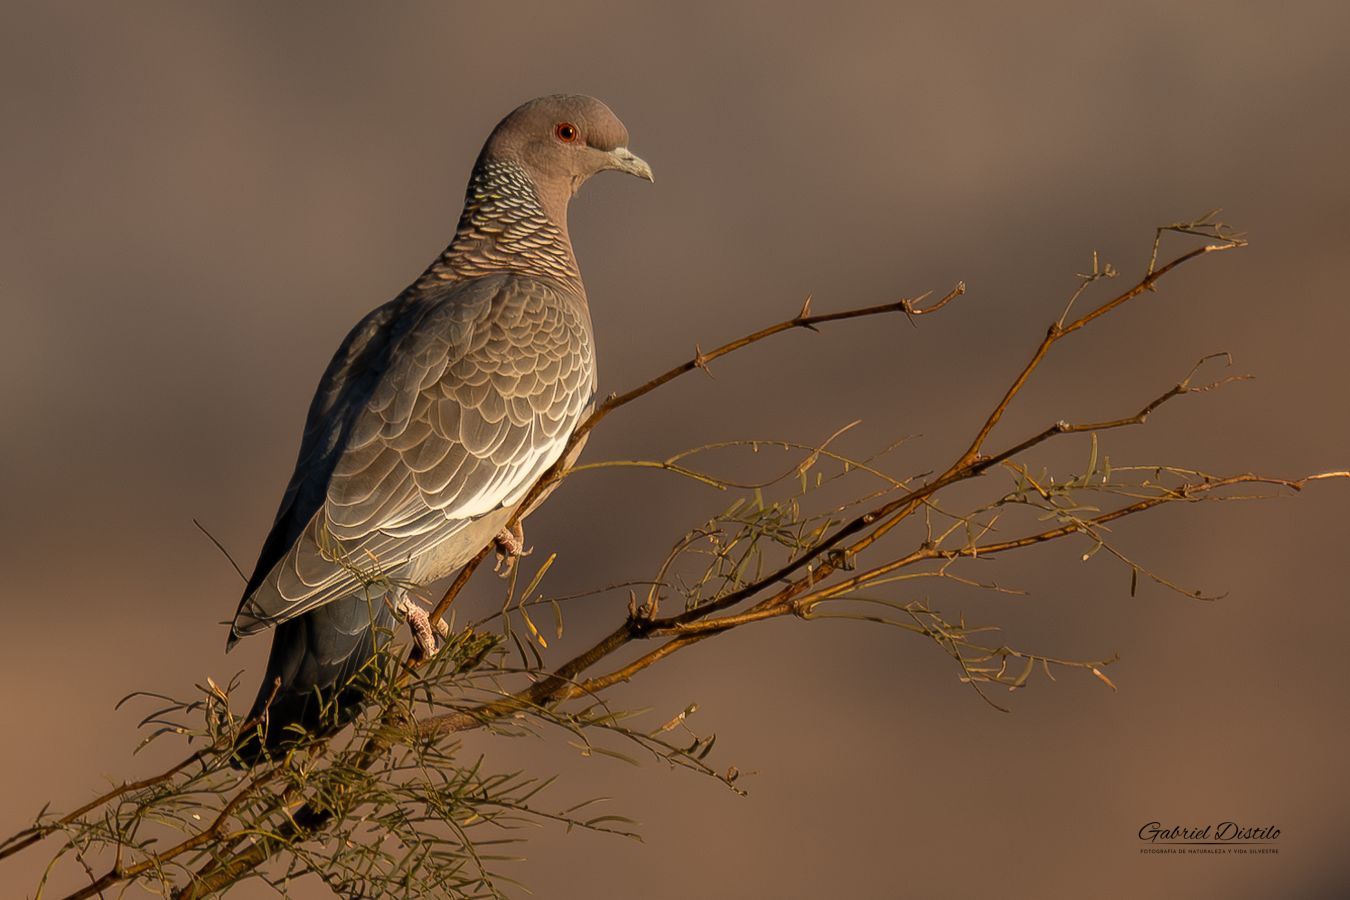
(625, 160)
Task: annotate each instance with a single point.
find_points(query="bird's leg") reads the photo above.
(420, 623)
(510, 546)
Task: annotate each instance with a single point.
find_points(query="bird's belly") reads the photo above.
(448, 556)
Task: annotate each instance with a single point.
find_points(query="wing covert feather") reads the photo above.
(455, 404)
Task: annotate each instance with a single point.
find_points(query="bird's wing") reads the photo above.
(474, 401)
(351, 377)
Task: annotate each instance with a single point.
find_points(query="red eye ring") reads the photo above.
(565, 132)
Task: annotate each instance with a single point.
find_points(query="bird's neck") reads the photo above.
(507, 227)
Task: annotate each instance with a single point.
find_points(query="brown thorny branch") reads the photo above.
(800, 587)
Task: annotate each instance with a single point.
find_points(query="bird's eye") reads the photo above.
(566, 132)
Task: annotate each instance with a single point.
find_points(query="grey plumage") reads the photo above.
(436, 415)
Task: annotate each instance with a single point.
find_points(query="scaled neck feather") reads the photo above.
(505, 228)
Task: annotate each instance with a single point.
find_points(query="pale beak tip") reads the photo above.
(627, 161)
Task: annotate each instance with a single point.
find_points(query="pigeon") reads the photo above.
(438, 413)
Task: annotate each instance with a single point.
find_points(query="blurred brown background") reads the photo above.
(199, 200)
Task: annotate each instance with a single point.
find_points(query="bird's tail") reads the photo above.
(316, 676)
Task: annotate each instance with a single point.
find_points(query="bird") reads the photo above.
(435, 417)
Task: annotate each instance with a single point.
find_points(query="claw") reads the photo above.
(510, 547)
(420, 623)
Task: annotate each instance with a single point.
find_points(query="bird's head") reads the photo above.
(564, 139)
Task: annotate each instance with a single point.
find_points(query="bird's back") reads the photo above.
(437, 413)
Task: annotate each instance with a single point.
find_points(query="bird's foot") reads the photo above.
(424, 633)
(510, 546)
